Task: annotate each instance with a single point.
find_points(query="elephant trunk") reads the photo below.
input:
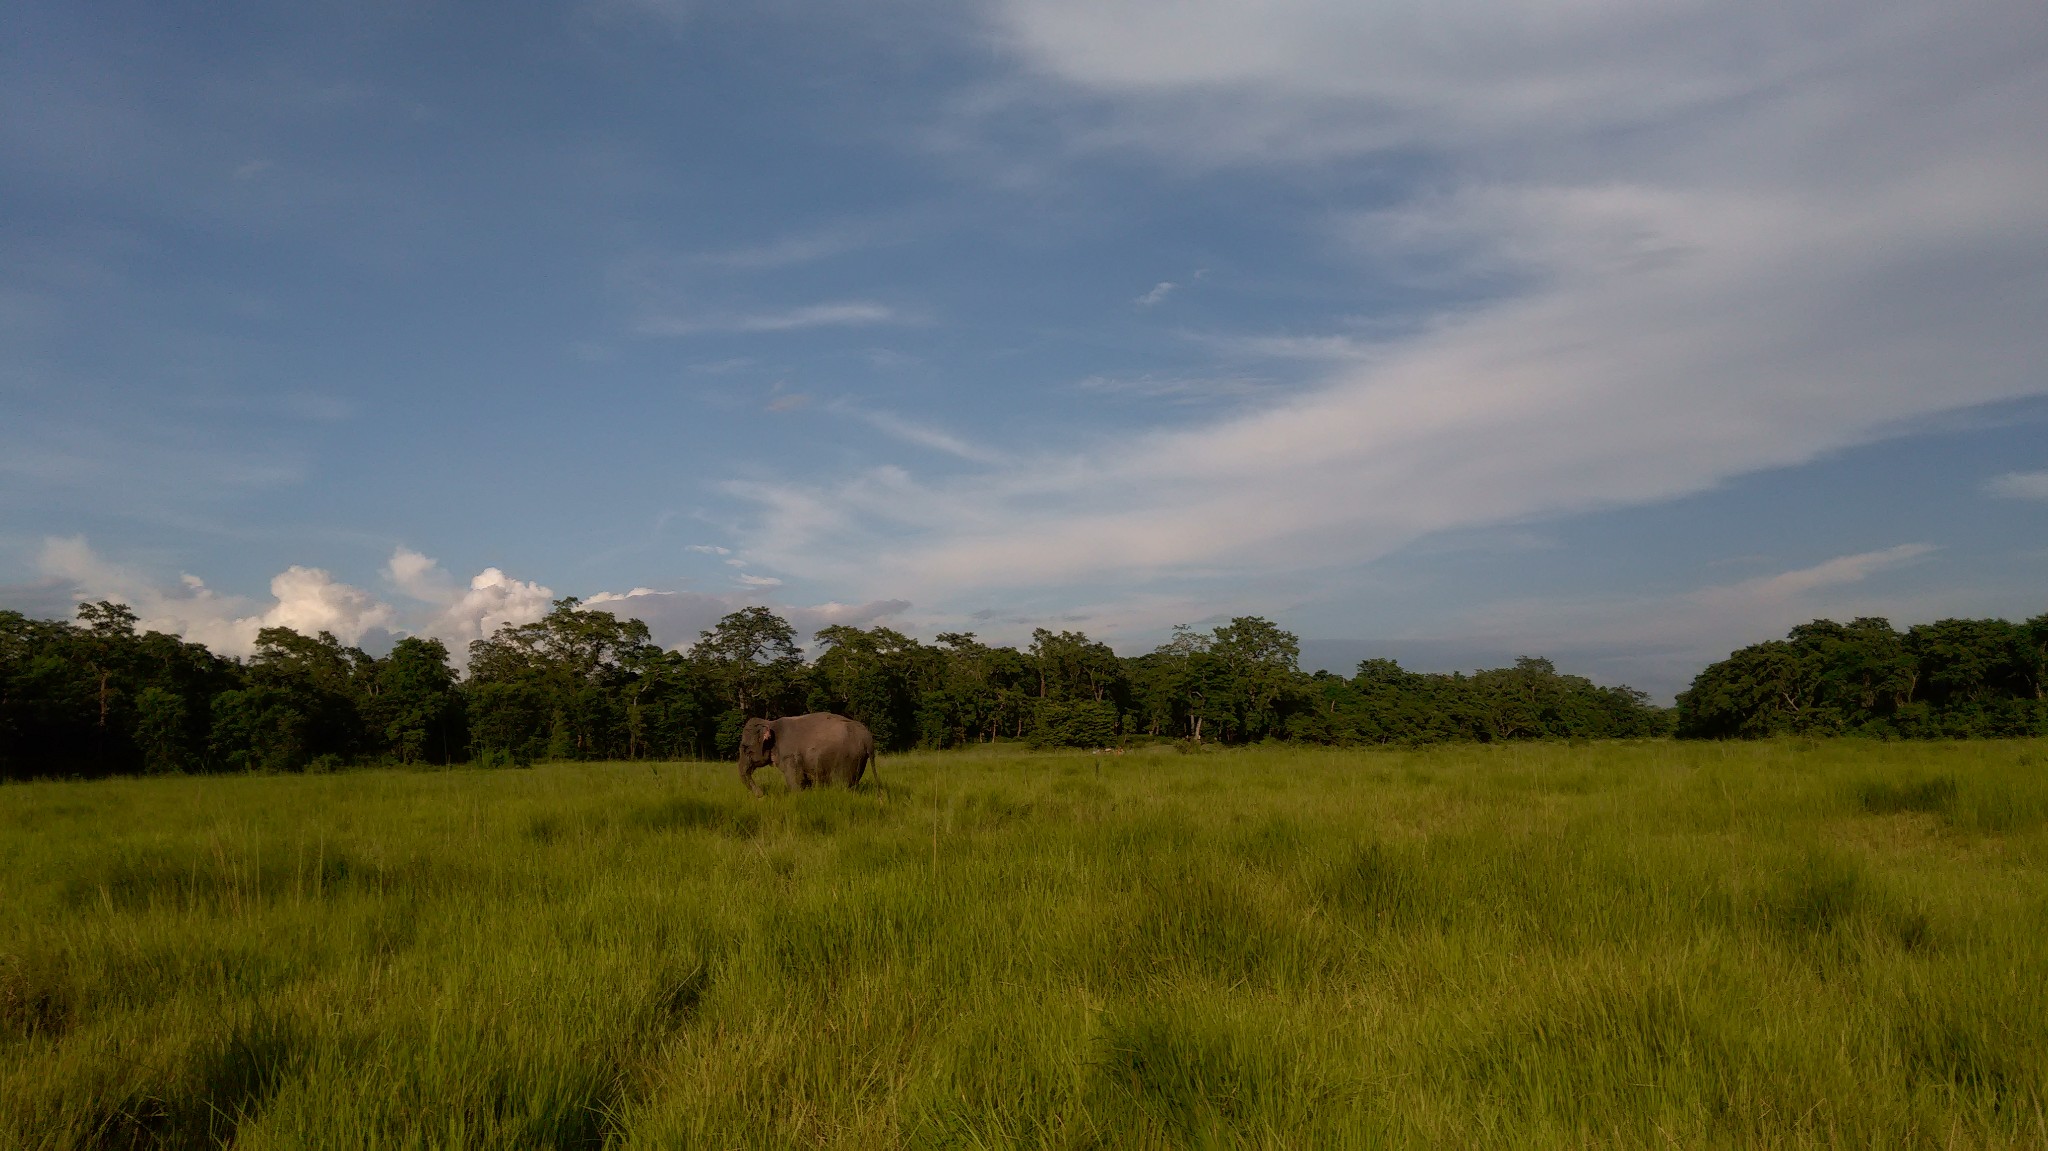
(747, 777)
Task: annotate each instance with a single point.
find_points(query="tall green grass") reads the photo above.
(1777, 944)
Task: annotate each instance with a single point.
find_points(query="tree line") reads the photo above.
(1955, 678)
(95, 696)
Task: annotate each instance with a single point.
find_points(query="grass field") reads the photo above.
(1645, 944)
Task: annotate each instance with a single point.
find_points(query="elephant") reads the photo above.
(815, 748)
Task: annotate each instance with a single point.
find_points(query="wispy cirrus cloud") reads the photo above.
(2020, 486)
(926, 436)
(1683, 254)
(790, 251)
(839, 314)
(1840, 571)
(1180, 389)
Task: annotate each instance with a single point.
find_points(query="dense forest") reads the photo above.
(96, 697)
(1956, 678)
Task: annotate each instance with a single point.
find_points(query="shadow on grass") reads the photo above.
(224, 1084)
(689, 812)
(1936, 796)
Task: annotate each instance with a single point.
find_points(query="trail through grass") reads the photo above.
(1784, 944)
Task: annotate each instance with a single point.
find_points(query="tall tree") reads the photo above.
(1071, 666)
(108, 640)
(1260, 663)
(753, 658)
(418, 709)
(299, 707)
(559, 687)
(975, 692)
(875, 676)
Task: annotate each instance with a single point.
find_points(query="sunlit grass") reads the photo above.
(1788, 943)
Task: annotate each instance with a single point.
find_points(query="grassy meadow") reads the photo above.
(1627, 944)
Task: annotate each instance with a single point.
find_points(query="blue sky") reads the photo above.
(1623, 333)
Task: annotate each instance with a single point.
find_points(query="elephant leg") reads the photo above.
(793, 774)
(747, 777)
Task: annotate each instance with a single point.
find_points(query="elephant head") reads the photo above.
(757, 745)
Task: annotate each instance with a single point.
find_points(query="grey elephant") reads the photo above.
(815, 748)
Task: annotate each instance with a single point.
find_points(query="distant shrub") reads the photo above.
(1080, 723)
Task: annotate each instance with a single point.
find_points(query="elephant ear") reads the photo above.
(767, 734)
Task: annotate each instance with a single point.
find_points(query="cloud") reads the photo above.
(849, 313)
(1319, 348)
(926, 436)
(724, 366)
(809, 618)
(252, 169)
(1841, 570)
(491, 601)
(1659, 643)
(50, 597)
(2020, 486)
(709, 549)
(1776, 337)
(310, 600)
(417, 575)
(789, 251)
(1179, 389)
(1309, 79)
(676, 619)
(306, 599)
(1688, 242)
(1158, 294)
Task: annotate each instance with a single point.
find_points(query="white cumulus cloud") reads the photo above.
(310, 600)
(459, 615)
(306, 599)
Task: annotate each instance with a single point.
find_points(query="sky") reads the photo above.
(1626, 334)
